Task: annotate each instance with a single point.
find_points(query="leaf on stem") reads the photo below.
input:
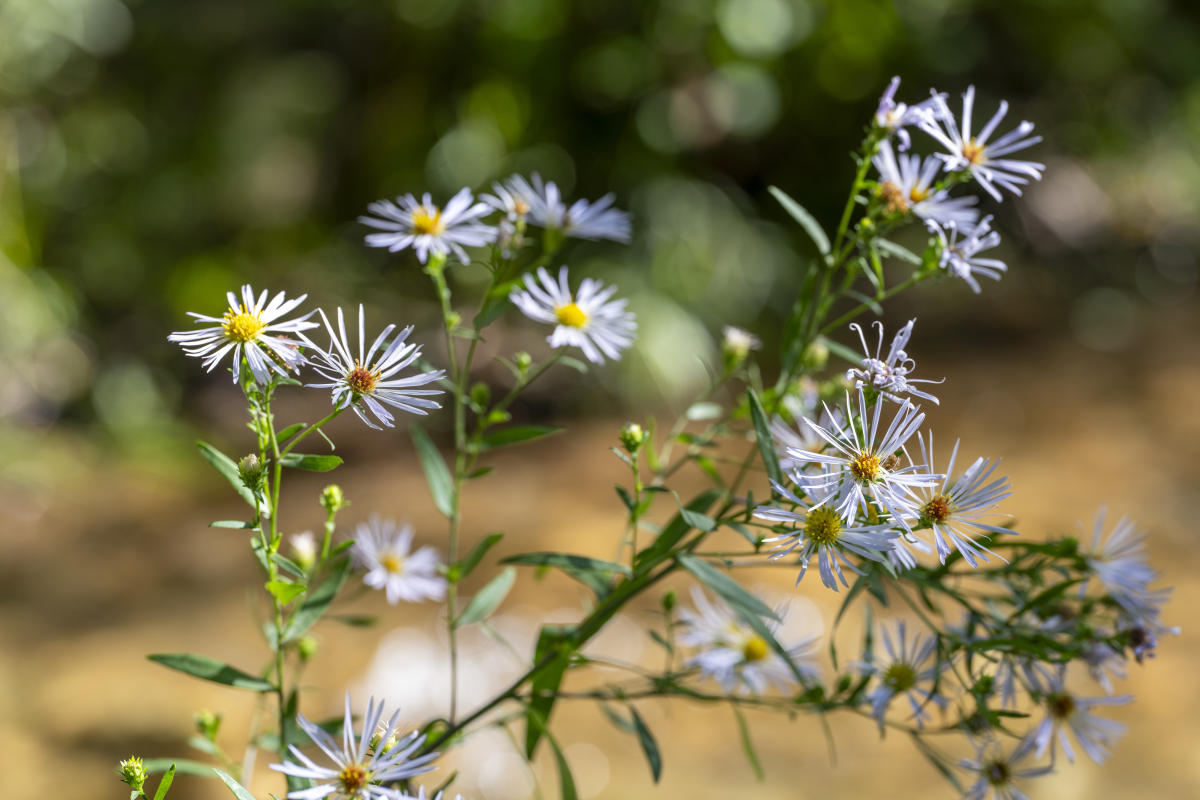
(211, 670)
(748, 743)
(566, 781)
(676, 529)
(317, 602)
(649, 746)
(515, 434)
(487, 599)
(552, 644)
(233, 523)
(239, 791)
(229, 471)
(766, 444)
(465, 565)
(591, 572)
(895, 250)
(284, 591)
(182, 766)
(806, 220)
(312, 463)
(441, 485)
(164, 785)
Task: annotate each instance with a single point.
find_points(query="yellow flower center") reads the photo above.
(893, 197)
(899, 677)
(865, 466)
(755, 649)
(973, 153)
(917, 194)
(393, 563)
(428, 221)
(521, 207)
(571, 315)
(938, 509)
(361, 379)
(353, 778)
(823, 526)
(241, 325)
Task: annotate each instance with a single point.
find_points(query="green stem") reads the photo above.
(299, 437)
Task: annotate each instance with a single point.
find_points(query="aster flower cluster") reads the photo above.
(908, 185)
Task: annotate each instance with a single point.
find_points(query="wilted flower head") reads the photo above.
(588, 320)
(250, 328)
(959, 249)
(889, 375)
(426, 228)
(736, 345)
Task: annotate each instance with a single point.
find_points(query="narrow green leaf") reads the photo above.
(487, 599)
(553, 640)
(493, 307)
(210, 670)
(626, 497)
(472, 559)
(566, 781)
(317, 602)
(649, 746)
(893, 249)
(312, 463)
(806, 220)
(288, 432)
(228, 469)
(182, 766)
(617, 719)
(515, 434)
(239, 791)
(289, 566)
(206, 746)
(441, 485)
(164, 785)
(849, 355)
(284, 591)
(939, 762)
(574, 363)
(766, 443)
(748, 744)
(729, 589)
(233, 523)
(355, 620)
(592, 572)
(697, 520)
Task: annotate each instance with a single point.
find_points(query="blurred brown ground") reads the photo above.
(116, 563)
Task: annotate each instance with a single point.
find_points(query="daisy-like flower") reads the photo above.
(1101, 660)
(737, 657)
(995, 772)
(426, 228)
(384, 550)
(909, 663)
(864, 465)
(513, 197)
(960, 248)
(1013, 673)
(547, 209)
(819, 530)
(955, 511)
(368, 382)
(589, 320)
(889, 376)
(906, 185)
(789, 438)
(895, 117)
(251, 328)
(975, 153)
(359, 766)
(1119, 562)
(1068, 711)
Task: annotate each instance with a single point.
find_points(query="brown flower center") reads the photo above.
(893, 197)
(362, 380)
(353, 778)
(937, 509)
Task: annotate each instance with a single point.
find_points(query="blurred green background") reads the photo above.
(155, 154)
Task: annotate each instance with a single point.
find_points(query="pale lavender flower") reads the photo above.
(735, 655)
(1068, 711)
(889, 375)
(819, 530)
(995, 772)
(907, 185)
(896, 117)
(385, 551)
(589, 320)
(1104, 663)
(426, 228)
(547, 209)
(788, 437)
(368, 382)
(960, 248)
(1119, 562)
(909, 663)
(359, 767)
(975, 153)
(251, 328)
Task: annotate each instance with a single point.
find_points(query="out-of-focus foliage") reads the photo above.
(156, 154)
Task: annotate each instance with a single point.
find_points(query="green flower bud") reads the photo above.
(633, 436)
(133, 773)
(306, 647)
(815, 357)
(736, 345)
(481, 395)
(523, 361)
(207, 723)
(251, 471)
(669, 600)
(332, 499)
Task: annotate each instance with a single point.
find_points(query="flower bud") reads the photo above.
(523, 361)
(633, 436)
(133, 773)
(251, 470)
(306, 647)
(815, 357)
(669, 600)
(332, 499)
(736, 345)
(481, 395)
(207, 723)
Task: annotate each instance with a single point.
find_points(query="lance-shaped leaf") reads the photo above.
(465, 565)
(211, 670)
(239, 791)
(441, 485)
(566, 781)
(649, 746)
(312, 463)
(553, 648)
(164, 785)
(229, 471)
(676, 529)
(766, 444)
(806, 220)
(515, 434)
(487, 599)
(317, 602)
(591, 572)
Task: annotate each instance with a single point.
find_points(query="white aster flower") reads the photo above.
(1101, 660)
(736, 345)
(1119, 562)
(589, 320)
(734, 655)
(1067, 711)
(787, 438)
(547, 209)
(895, 117)
(368, 382)
(304, 548)
(1013, 673)
(513, 197)
(889, 376)
(864, 465)
(908, 665)
(960, 249)
(975, 153)
(384, 550)
(250, 328)
(906, 185)
(819, 530)
(358, 766)
(995, 771)
(426, 228)
(955, 511)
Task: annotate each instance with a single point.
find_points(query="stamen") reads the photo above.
(937, 509)
(900, 677)
(823, 526)
(865, 466)
(893, 197)
(362, 380)
(973, 153)
(571, 315)
(353, 777)
(755, 649)
(428, 220)
(241, 325)
(393, 563)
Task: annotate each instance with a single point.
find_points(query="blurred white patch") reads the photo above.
(589, 767)
(1071, 203)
